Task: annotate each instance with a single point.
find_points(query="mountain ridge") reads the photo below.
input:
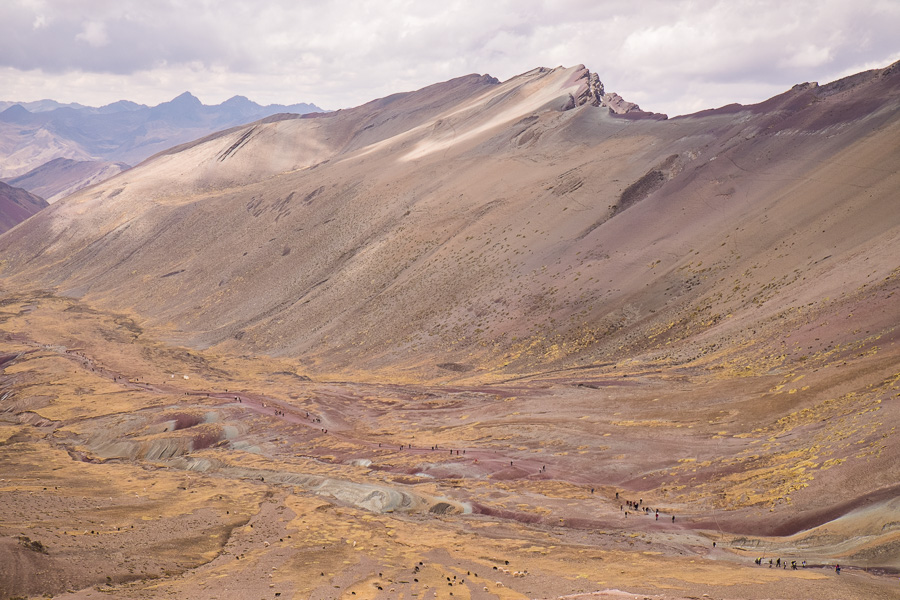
(405, 141)
(60, 177)
(123, 131)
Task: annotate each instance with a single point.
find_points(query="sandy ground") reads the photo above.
(147, 471)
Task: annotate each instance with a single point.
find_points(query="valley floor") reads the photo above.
(130, 468)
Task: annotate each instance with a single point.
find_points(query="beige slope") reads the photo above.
(61, 177)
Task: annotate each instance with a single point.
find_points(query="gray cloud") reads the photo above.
(669, 56)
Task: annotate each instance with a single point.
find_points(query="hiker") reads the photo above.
(673, 518)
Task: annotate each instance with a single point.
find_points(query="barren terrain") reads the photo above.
(487, 340)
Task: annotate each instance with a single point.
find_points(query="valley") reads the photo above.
(202, 474)
(486, 339)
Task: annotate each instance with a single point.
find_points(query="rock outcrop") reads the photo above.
(619, 105)
(593, 93)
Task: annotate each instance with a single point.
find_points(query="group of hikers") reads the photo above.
(783, 564)
(779, 564)
(637, 506)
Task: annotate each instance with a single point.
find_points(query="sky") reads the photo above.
(669, 56)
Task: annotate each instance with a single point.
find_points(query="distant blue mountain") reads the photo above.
(124, 131)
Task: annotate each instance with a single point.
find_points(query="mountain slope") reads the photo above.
(16, 205)
(62, 176)
(482, 224)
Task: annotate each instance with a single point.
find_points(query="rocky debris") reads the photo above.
(593, 93)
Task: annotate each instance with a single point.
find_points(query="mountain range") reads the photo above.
(287, 327)
(109, 138)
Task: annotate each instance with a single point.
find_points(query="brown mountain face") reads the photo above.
(16, 205)
(481, 224)
(505, 339)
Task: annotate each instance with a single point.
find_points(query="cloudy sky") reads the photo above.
(669, 56)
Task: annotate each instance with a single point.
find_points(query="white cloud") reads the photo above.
(806, 56)
(669, 56)
(94, 33)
